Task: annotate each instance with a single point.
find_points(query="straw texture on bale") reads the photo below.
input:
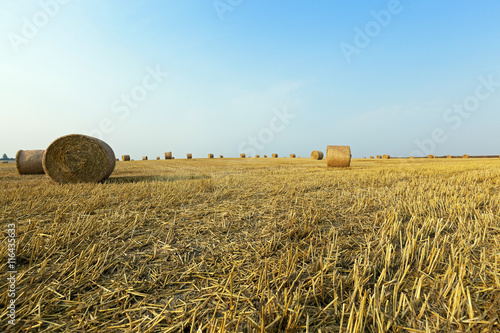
(29, 162)
(386, 157)
(243, 156)
(144, 158)
(338, 156)
(210, 155)
(125, 157)
(317, 155)
(168, 155)
(275, 155)
(77, 158)
(292, 156)
(189, 156)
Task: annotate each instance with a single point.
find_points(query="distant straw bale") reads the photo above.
(449, 156)
(30, 162)
(189, 156)
(275, 155)
(257, 156)
(125, 157)
(293, 156)
(243, 156)
(431, 156)
(168, 155)
(317, 155)
(379, 157)
(210, 155)
(465, 156)
(386, 157)
(144, 158)
(338, 156)
(220, 156)
(77, 158)
(371, 157)
(158, 157)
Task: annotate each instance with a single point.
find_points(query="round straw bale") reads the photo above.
(386, 157)
(317, 155)
(210, 155)
(157, 157)
(411, 157)
(292, 156)
(242, 155)
(338, 156)
(449, 156)
(465, 156)
(265, 156)
(144, 158)
(220, 156)
(371, 157)
(125, 157)
(431, 156)
(379, 157)
(275, 155)
(189, 156)
(77, 158)
(29, 162)
(257, 156)
(168, 155)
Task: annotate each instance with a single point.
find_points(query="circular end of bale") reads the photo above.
(293, 156)
(125, 157)
(30, 162)
(210, 155)
(338, 156)
(274, 155)
(78, 158)
(386, 157)
(317, 155)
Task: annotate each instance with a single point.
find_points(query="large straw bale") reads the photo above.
(77, 158)
(338, 156)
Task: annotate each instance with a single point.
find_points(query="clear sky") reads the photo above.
(223, 77)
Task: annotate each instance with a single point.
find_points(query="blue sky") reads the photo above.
(223, 77)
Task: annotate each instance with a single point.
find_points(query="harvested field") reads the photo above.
(258, 245)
